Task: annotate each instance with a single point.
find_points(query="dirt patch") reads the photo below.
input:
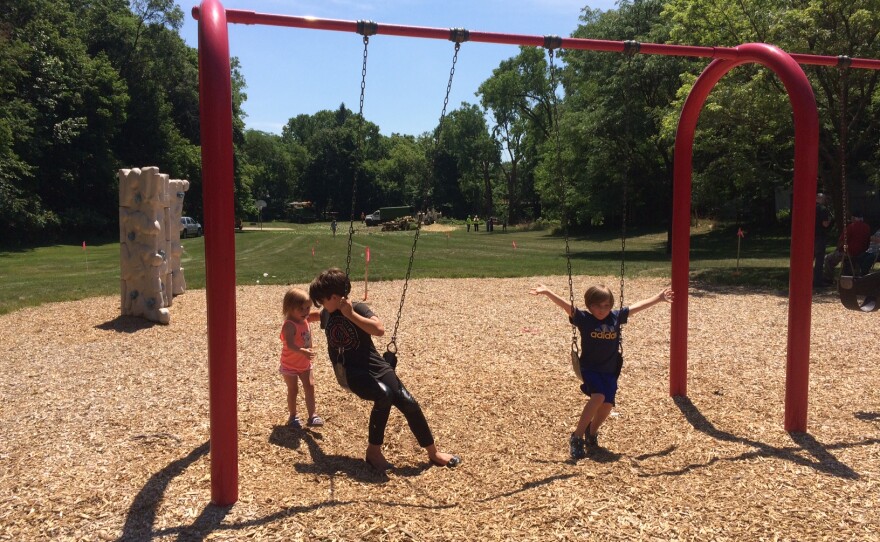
(442, 228)
(105, 426)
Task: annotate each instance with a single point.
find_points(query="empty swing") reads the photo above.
(857, 292)
(457, 36)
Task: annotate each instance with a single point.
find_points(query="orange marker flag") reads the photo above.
(366, 271)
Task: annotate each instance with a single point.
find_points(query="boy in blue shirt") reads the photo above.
(600, 358)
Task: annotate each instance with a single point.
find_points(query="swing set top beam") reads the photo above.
(239, 16)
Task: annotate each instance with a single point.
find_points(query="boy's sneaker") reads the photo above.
(577, 447)
(591, 442)
(294, 422)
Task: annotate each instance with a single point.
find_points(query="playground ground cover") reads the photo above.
(106, 425)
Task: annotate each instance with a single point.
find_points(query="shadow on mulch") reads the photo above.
(142, 513)
(141, 516)
(531, 485)
(868, 416)
(824, 461)
(322, 463)
(126, 324)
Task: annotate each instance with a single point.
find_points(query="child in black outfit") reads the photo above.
(359, 367)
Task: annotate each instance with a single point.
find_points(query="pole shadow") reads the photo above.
(140, 519)
(823, 460)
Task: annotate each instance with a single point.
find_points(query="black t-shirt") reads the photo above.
(350, 345)
(822, 215)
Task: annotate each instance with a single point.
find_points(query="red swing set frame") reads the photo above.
(215, 94)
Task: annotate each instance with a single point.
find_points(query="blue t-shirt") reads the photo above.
(600, 340)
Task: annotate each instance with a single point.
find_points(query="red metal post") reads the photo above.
(806, 125)
(291, 21)
(215, 100)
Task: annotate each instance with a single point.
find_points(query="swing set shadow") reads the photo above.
(823, 460)
(141, 518)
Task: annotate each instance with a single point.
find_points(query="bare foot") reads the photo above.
(376, 460)
(442, 459)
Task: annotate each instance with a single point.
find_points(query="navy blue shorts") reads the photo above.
(604, 383)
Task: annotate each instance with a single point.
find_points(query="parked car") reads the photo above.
(189, 227)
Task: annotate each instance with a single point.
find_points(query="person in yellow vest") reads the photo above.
(469, 221)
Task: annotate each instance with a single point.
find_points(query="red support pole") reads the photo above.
(806, 123)
(252, 17)
(215, 99)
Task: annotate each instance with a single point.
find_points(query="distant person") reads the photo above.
(333, 227)
(469, 222)
(858, 235)
(823, 220)
(363, 216)
(350, 329)
(600, 358)
(297, 355)
(476, 223)
(869, 258)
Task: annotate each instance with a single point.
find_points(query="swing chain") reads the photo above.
(412, 255)
(844, 196)
(623, 239)
(549, 43)
(359, 154)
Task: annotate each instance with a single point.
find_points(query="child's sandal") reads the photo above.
(316, 421)
(294, 422)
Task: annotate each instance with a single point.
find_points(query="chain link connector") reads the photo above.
(631, 47)
(459, 35)
(552, 42)
(367, 28)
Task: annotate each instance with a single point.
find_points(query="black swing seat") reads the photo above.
(860, 293)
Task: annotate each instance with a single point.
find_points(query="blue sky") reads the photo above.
(290, 71)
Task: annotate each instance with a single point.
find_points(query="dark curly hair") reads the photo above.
(331, 281)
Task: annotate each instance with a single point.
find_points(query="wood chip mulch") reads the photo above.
(105, 425)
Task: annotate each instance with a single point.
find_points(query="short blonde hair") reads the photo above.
(295, 297)
(598, 294)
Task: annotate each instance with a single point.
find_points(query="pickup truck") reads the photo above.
(386, 214)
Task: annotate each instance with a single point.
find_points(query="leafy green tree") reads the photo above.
(518, 97)
(340, 148)
(402, 172)
(466, 139)
(275, 170)
(21, 208)
(613, 149)
(752, 101)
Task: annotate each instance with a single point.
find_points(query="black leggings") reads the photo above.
(386, 392)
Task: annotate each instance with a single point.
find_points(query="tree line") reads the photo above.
(87, 88)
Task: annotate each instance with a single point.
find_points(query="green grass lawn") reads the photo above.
(38, 275)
